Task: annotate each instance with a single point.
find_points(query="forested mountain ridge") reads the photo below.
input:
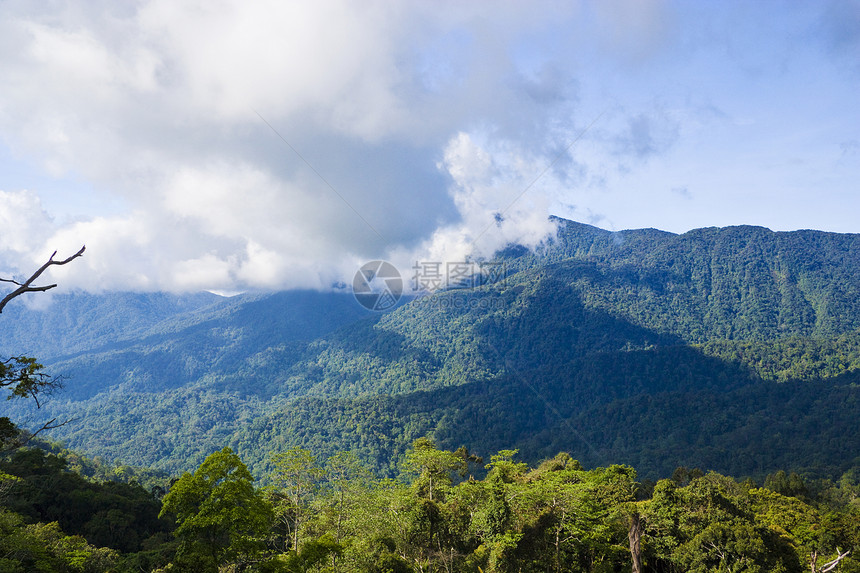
(735, 282)
(589, 325)
(169, 340)
(67, 324)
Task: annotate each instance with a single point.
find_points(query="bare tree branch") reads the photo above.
(830, 565)
(26, 285)
(50, 425)
(24, 436)
(22, 375)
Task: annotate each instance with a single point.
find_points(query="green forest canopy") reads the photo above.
(333, 515)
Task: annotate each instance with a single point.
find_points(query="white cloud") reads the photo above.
(124, 253)
(160, 104)
(22, 222)
(407, 127)
(493, 194)
(207, 272)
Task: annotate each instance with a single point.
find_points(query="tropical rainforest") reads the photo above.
(297, 431)
(335, 515)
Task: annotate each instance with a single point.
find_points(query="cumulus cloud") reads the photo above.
(265, 144)
(491, 192)
(22, 219)
(279, 145)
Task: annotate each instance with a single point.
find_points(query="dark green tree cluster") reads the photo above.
(219, 515)
(448, 511)
(651, 409)
(54, 519)
(333, 516)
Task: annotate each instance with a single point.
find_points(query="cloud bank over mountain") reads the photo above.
(239, 145)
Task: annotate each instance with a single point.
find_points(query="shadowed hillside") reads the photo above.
(593, 342)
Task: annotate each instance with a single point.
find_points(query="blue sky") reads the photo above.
(242, 145)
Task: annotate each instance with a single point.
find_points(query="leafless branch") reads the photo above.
(50, 425)
(25, 436)
(26, 286)
(830, 565)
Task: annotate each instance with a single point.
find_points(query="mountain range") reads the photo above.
(734, 349)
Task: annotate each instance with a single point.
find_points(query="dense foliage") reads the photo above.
(651, 410)
(56, 519)
(333, 515)
(599, 334)
(733, 349)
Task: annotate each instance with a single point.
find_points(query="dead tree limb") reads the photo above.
(634, 536)
(830, 565)
(23, 437)
(21, 374)
(26, 286)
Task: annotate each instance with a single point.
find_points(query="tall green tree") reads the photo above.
(347, 481)
(220, 517)
(434, 467)
(297, 477)
(712, 525)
